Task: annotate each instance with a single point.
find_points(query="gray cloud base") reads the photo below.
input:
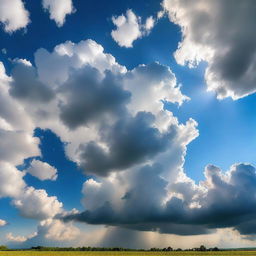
(228, 202)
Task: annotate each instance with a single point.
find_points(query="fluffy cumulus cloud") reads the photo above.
(116, 129)
(31, 203)
(42, 170)
(129, 28)
(13, 15)
(113, 104)
(16, 239)
(17, 145)
(49, 232)
(36, 204)
(11, 180)
(57, 230)
(156, 82)
(58, 10)
(12, 114)
(220, 33)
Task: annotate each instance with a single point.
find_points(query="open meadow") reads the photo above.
(57, 253)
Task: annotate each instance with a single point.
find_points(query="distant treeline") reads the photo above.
(43, 248)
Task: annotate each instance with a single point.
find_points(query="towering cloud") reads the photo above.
(220, 33)
(116, 129)
(98, 107)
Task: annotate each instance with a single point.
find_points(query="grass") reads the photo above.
(51, 253)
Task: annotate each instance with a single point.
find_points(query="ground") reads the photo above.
(36, 253)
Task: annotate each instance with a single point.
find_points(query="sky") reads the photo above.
(127, 123)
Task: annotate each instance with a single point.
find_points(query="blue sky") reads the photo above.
(235, 121)
(224, 135)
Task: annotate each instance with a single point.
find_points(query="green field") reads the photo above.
(36, 253)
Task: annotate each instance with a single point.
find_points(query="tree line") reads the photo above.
(43, 248)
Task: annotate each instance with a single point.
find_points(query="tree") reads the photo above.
(202, 248)
(3, 248)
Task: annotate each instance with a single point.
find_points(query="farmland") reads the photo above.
(57, 253)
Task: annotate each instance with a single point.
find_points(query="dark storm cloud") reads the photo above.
(228, 202)
(248, 227)
(26, 85)
(131, 140)
(143, 209)
(88, 96)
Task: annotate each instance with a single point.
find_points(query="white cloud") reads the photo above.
(17, 145)
(57, 230)
(129, 28)
(160, 14)
(3, 223)
(13, 15)
(31, 203)
(53, 68)
(17, 239)
(42, 170)
(221, 34)
(12, 113)
(156, 82)
(58, 9)
(11, 180)
(36, 204)
(16, 127)
(50, 232)
(150, 22)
